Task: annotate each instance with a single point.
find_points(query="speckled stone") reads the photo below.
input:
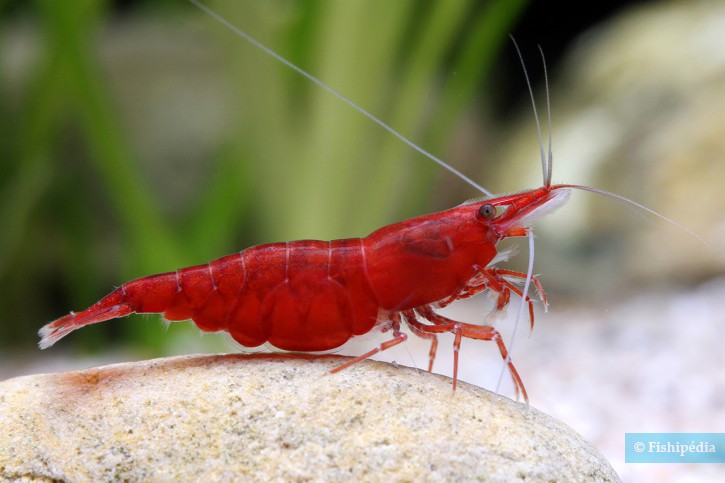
(232, 417)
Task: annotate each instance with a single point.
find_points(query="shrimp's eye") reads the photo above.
(487, 211)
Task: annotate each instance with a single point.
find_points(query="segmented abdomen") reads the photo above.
(303, 296)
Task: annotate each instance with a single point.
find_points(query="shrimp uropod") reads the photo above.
(310, 295)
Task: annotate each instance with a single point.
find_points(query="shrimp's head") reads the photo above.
(512, 215)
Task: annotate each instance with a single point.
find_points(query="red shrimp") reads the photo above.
(312, 296)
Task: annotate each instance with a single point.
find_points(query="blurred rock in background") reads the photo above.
(638, 110)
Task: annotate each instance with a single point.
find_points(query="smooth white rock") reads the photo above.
(233, 417)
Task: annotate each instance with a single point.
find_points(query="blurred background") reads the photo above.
(142, 136)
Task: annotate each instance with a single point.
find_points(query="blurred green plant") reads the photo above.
(79, 211)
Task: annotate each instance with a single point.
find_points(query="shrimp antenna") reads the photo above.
(520, 313)
(544, 168)
(626, 201)
(550, 163)
(335, 93)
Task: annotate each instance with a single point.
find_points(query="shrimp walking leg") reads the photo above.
(486, 278)
(398, 338)
(498, 282)
(410, 315)
(443, 324)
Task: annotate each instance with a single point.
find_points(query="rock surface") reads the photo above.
(229, 417)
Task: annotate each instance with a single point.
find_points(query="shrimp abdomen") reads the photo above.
(301, 296)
